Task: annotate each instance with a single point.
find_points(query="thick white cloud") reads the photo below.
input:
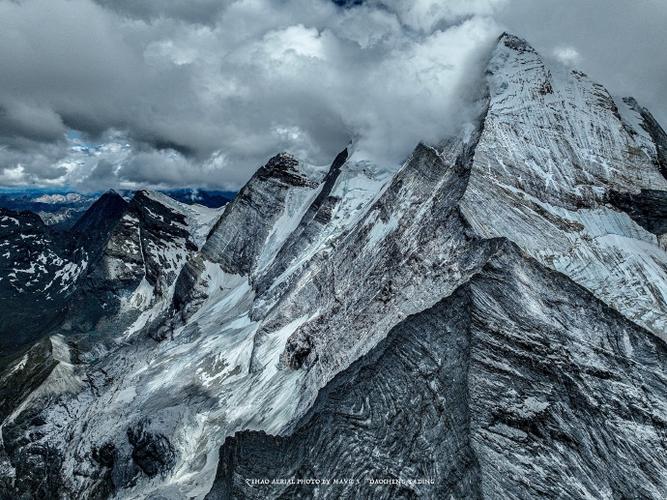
(426, 15)
(567, 55)
(201, 92)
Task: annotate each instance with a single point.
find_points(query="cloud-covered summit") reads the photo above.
(97, 94)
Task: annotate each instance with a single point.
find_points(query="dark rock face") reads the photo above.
(76, 282)
(94, 227)
(648, 208)
(657, 133)
(38, 472)
(35, 276)
(515, 43)
(116, 268)
(105, 455)
(275, 188)
(135, 246)
(160, 225)
(33, 368)
(152, 452)
(42, 271)
(258, 205)
(483, 397)
(359, 429)
(149, 241)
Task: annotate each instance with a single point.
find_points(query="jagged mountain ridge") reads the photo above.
(92, 229)
(70, 280)
(138, 262)
(311, 272)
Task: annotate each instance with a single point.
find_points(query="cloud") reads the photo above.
(426, 15)
(202, 92)
(195, 11)
(24, 119)
(29, 162)
(569, 56)
(207, 103)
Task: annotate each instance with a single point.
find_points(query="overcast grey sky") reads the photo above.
(128, 93)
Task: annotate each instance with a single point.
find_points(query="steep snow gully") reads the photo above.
(487, 321)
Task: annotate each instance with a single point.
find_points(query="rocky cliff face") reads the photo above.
(92, 229)
(486, 321)
(480, 396)
(136, 252)
(269, 207)
(556, 155)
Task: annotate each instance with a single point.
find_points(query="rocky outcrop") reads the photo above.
(279, 187)
(648, 208)
(656, 133)
(268, 208)
(152, 452)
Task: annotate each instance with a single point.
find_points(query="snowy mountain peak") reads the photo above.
(514, 63)
(515, 43)
(524, 257)
(96, 222)
(555, 152)
(287, 169)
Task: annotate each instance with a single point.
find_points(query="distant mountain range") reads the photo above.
(61, 209)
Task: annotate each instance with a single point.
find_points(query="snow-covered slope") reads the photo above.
(555, 148)
(490, 316)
